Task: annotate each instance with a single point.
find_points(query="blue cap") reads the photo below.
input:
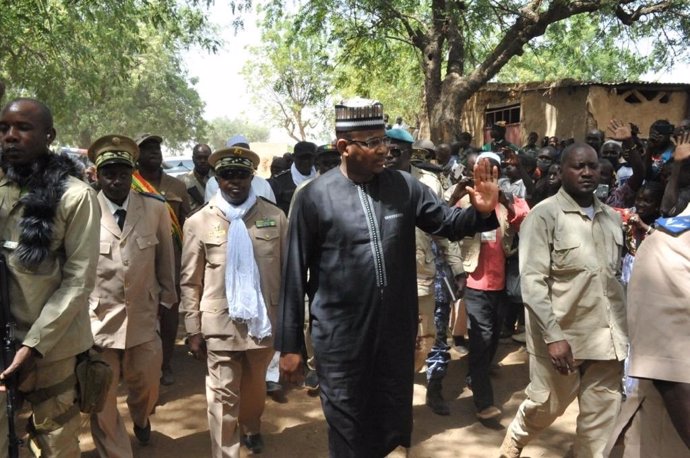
(400, 135)
(238, 140)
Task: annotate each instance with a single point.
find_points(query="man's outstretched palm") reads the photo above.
(484, 194)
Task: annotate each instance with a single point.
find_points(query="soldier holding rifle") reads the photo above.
(49, 234)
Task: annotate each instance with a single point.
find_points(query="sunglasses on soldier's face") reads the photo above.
(235, 174)
(394, 151)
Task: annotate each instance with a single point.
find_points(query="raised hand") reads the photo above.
(619, 130)
(682, 143)
(484, 194)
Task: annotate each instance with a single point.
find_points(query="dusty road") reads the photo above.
(297, 428)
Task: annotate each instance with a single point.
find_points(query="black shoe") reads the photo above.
(311, 380)
(272, 387)
(434, 398)
(143, 434)
(254, 442)
(167, 378)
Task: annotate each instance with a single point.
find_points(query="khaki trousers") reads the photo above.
(232, 374)
(596, 385)
(140, 369)
(426, 333)
(53, 439)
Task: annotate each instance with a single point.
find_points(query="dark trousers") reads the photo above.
(169, 320)
(483, 330)
(438, 357)
(510, 313)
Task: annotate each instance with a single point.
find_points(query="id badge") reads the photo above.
(489, 236)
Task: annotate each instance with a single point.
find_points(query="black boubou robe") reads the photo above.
(358, 243)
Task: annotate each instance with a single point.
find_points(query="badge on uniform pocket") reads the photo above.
(261, 223)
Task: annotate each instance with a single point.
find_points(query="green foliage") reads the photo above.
(392, 77)
(586, 47)
(377, 44)
(220, 130)
(106, 67)
(290, 76)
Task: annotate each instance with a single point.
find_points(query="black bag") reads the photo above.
(94, 377)
(513, 279)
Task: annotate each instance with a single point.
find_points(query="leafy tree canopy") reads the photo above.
(106, 66)
(291, 77)
(220, 130)
(461, 45)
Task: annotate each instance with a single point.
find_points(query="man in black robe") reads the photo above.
(353, 230)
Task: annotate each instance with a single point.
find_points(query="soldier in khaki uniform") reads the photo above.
(231, 274)
(196, 179)
(175, 193)
(570, 249)
(50, 274)
(135, 278)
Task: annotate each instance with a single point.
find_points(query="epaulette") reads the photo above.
(268, 201)
(197, 209)
(428, 167)
(282, 173)
(152, 195)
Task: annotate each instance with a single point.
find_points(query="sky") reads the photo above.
(223, 88)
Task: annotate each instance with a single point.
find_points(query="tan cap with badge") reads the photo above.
(114, 149)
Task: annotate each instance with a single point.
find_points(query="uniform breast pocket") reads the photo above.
(567, 254)
(266, 242)
(147, 241)
(215, 254)
(616, 250)
(46, 267)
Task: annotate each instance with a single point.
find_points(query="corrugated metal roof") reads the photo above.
(550, 85)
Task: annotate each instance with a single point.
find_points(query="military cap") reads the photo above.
(234, 157)
(359, 114)
(423, 150)
(113, 149)
(424, 145)
(400, 135)
(327, 149)
(141, 138)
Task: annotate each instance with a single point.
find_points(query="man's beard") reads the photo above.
(21, 174)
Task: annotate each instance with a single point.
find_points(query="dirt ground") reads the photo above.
(296, 428)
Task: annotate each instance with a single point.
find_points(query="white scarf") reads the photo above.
(242, 279)
(298, 178)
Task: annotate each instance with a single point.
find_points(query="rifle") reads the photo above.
(9, 349)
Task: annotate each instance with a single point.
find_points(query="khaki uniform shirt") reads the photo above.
(192, 182)
(203, 272)
(49, 304)
(135, 273)
(568, 266)
(426, 268)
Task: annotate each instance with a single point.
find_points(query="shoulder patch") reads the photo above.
(152, 195)
(267, 201)
(196, 210)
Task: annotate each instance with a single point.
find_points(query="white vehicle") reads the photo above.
(178, 165)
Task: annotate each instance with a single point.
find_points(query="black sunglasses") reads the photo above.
(395, 152)
(235, 174)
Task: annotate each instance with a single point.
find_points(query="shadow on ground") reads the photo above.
(297, 428)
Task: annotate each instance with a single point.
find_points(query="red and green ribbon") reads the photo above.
(139, 184)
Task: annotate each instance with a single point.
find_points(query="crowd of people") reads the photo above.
(354, 266)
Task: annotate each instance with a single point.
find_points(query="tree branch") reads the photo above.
(641, 11)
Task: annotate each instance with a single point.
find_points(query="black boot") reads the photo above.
(434, 398)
